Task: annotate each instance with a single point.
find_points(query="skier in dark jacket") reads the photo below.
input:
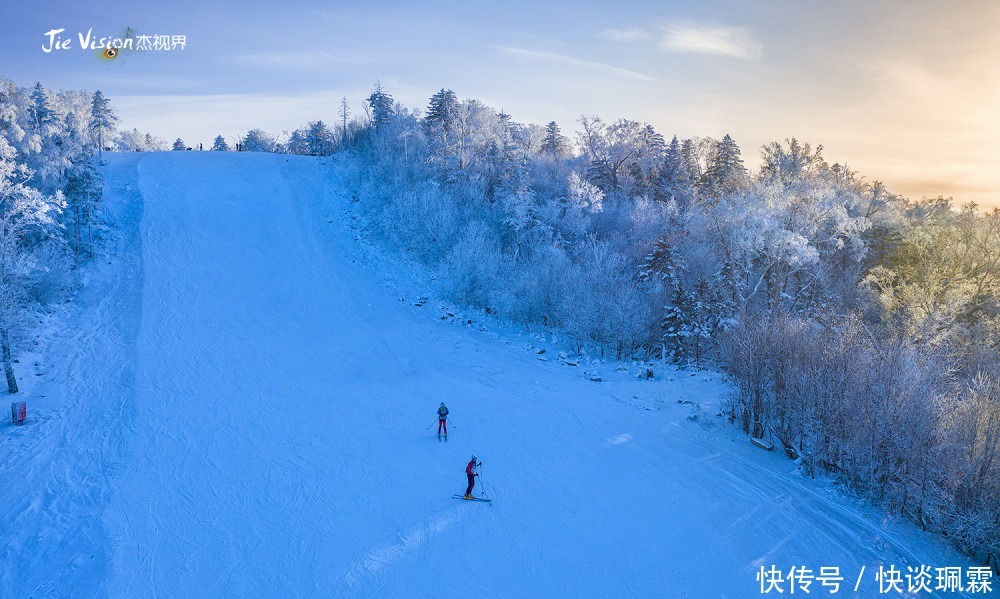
(470, 472)
(443, 420)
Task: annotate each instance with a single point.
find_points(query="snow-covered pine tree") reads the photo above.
(555, 143)
(220, 145)
(649, 162)
(676, 181)
(40, 110)
(726, 173)
(179, 145)
(82, 191)
(258, 141)
(319, 139)
(382, 105)
(441, 127)
(102, 119)
(297, 143)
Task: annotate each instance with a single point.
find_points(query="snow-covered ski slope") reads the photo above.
(241, 407)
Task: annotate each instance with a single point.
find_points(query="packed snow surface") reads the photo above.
(241, 403)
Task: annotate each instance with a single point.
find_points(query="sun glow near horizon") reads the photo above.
(904, 93)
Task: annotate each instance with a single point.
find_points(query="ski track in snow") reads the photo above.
(241, 411)
(57, 479)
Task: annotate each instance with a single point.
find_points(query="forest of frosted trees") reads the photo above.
(861, 329)
(50, 189)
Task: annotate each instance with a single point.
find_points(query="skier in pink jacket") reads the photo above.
(470, 472)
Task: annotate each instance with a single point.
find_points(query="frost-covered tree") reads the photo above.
(501, 163)
(792, 162)
(49, 188)
(297, 143)
(82, 190)
(441, 111)
(676, 179)
(693, 304)
(102, 119)
(22, 210)
(259, 141)
(582, 200)
(220, 145)
(382, 106)
(344, 112)
(528, 137)
(129, 141)
(649, 162)
(941, 281)
(319, 139)
(966, 499)
(610, 149)
(40, 111)
(725, 173)
(134, 141)
(625, 156)
(179, 145)
(155, 144)
(441, 125)
(555, 143)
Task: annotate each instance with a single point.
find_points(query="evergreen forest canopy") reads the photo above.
(50, 190)
(861, 329)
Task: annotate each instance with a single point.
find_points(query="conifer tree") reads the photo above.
(40, 110)
(691, 162)
(382, 106)
(555, 143)
(297, 143)
(319, 139)
(726, 172)
(344, 112)
(220, 145)
(102, 119)
(676, 181)
(440, 125)
(257, 140)
(22, 211)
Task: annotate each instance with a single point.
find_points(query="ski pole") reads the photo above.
(479, 468)
(432, 424)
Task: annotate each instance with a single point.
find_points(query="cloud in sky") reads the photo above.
(624, 35)
(735, 42)
(899, 94)
(559, 58)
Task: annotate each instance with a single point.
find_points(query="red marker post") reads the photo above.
(18, 412)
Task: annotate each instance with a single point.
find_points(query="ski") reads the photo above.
(473, 499)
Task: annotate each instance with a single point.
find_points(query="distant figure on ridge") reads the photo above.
(443, 421)
(470, 472)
